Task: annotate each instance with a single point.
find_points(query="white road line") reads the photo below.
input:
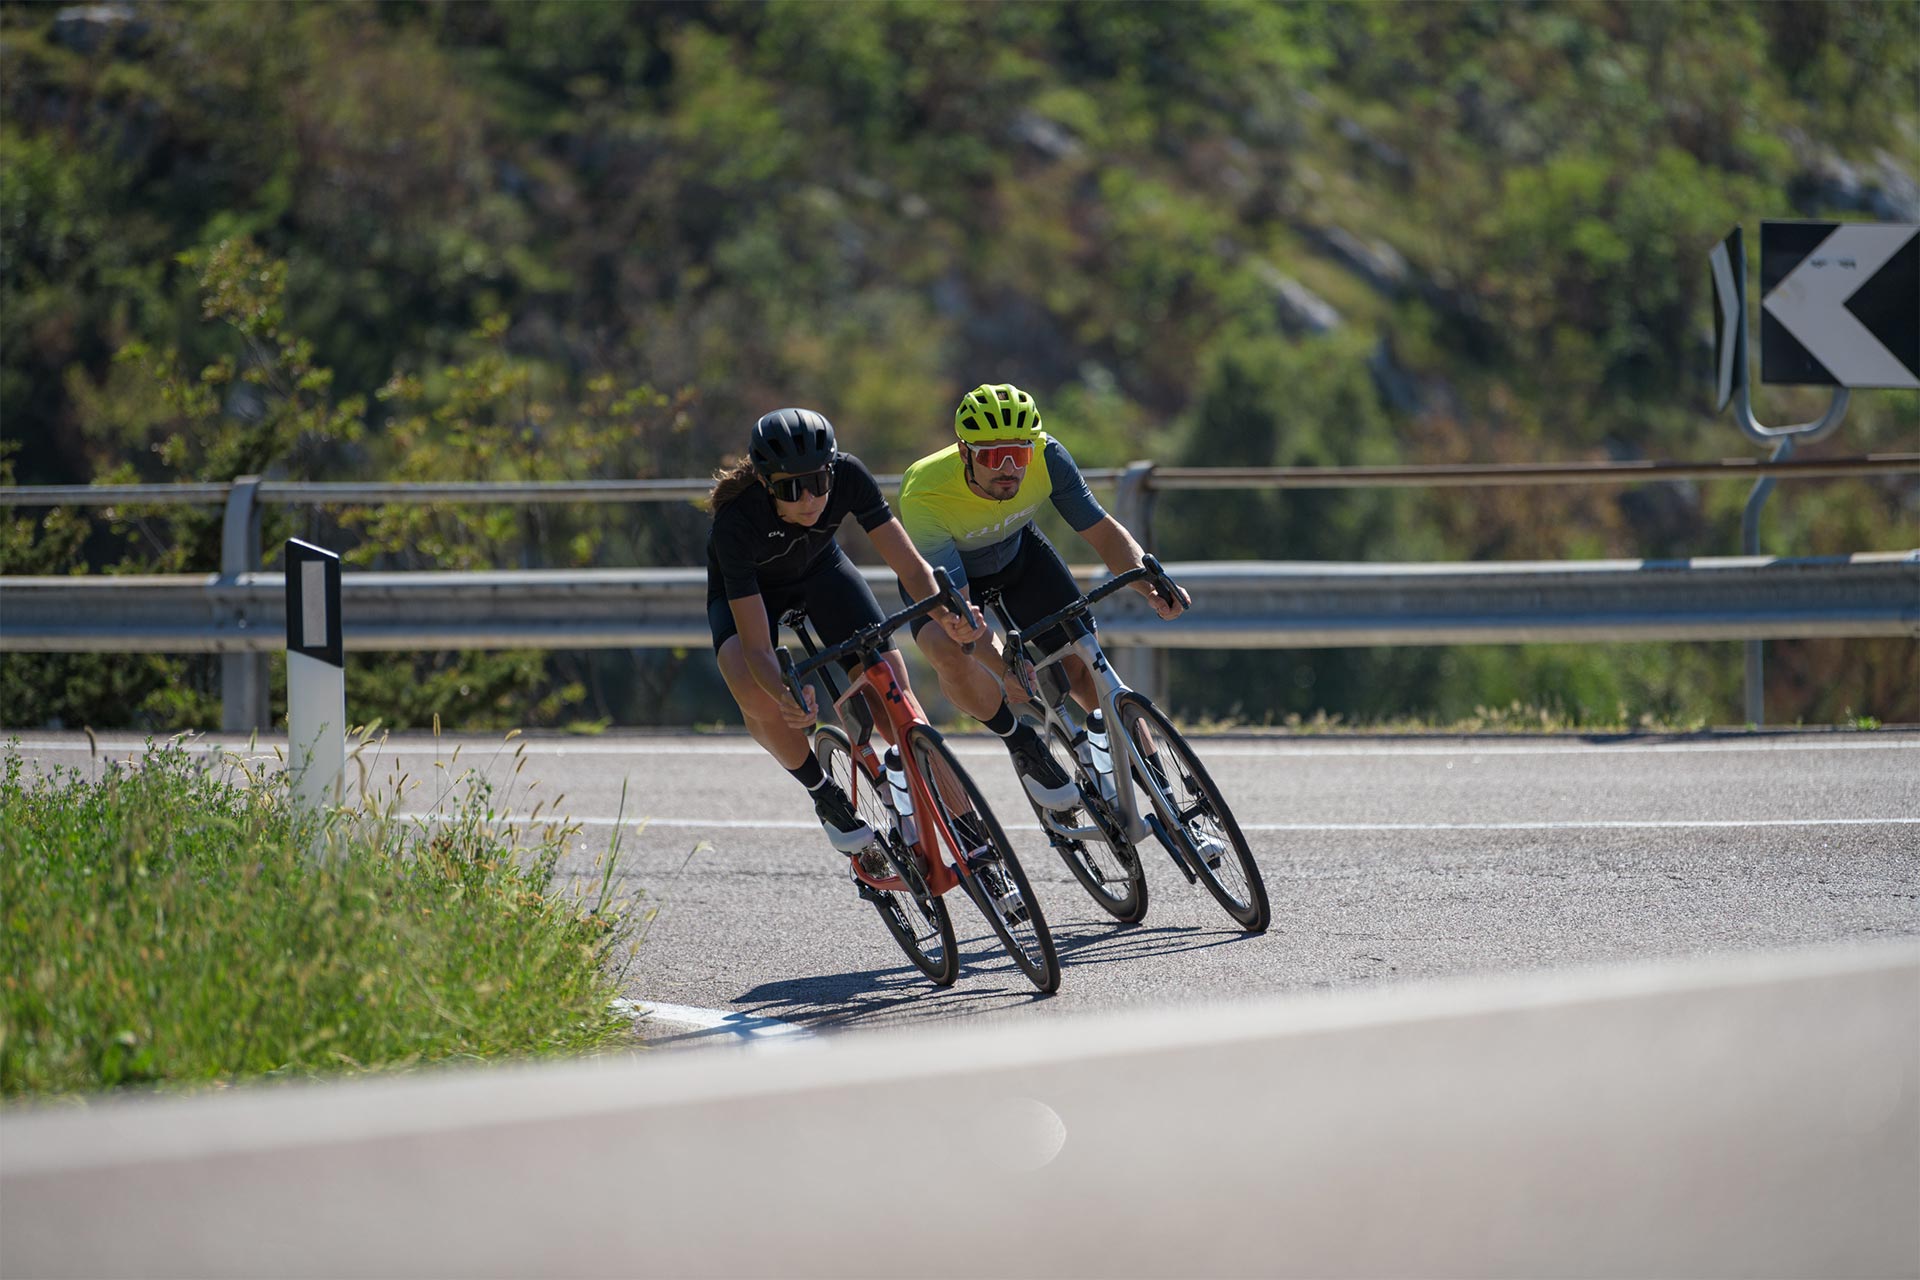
(745, 1027)
(745, 824)
(473, 750)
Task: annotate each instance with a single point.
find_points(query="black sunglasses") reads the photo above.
(792, 488)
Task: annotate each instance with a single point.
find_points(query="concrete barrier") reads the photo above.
(1745, 1115)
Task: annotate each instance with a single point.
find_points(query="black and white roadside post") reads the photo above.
(1839, 307)
(316, 676)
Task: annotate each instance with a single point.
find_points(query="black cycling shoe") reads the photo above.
(1041, 774)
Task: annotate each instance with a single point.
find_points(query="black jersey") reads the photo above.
(751, 549)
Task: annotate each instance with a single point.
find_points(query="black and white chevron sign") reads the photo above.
(1840, 304)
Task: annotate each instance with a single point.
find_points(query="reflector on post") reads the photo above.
(316, 675)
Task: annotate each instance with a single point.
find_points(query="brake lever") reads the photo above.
(787, 676)
(1163, 584)
(950, 598)
(1020, 667)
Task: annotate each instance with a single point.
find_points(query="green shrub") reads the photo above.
(171, 922)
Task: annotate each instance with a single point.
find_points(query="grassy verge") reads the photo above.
(170, 924)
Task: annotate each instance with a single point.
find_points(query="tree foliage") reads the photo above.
(577, 240)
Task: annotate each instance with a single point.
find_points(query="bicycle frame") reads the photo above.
(1063, 714)
(903, 712)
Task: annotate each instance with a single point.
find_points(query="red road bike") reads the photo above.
(934, 826)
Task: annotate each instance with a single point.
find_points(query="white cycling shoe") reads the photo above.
(844, 829)
(1043, 778)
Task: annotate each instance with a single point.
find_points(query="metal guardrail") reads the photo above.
(1237, 605)
(1267, 605)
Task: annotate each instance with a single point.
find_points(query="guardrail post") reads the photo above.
(1142, 667)
(243, 676)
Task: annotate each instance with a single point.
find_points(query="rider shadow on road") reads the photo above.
(1091, 942)
(843, 1000)
(901, 994)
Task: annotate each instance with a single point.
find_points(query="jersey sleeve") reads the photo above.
(732, 550)
(864, 499)
(1071, 497)
(920, 517)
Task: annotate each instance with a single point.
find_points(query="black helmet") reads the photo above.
(791, 440)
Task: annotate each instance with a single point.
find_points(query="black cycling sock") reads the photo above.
(1022, 738)
(1002, 721)
(810, 774)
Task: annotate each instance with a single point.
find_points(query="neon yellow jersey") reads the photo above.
(968, 535)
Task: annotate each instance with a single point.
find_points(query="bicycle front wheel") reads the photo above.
(990, 869)
(916, 917)
(1193, 812)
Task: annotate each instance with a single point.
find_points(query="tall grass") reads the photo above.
(172, 921)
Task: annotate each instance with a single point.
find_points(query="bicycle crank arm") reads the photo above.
(1054, 827)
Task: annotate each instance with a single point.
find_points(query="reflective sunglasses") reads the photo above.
(793, 488)
(995, 456)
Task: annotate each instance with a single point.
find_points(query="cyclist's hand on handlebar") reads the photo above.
(963, 630)
(1168, 607)
(797, 714)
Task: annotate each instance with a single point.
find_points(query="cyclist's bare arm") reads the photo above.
(1117, 549)
(916, 575)
(756, 646)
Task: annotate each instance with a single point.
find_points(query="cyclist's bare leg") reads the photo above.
(968, 685)
(783, 742)
(1080, 681)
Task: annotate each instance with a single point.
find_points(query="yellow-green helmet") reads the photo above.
(996, 412)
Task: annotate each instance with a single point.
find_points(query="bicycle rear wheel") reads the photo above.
(917, 918)
(997, 883)
(1108, 869)
(1194, 813)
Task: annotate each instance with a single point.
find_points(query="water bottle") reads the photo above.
(1090, 744)
(900, 795)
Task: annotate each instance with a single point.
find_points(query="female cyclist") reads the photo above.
(771, 548)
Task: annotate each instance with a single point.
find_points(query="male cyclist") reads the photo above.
(969, 509)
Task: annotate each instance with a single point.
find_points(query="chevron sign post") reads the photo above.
(1840, 304)
(316, 676)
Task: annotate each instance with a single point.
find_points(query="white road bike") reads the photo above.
(1145, 756)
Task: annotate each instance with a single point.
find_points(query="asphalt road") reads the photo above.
(1387, 859)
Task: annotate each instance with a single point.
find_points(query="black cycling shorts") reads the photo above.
(1034, 584)
(837, 600)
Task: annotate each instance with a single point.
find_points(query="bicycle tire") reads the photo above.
(1235, 882)
(1128, 905)
(917, 919)
(963, 818)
